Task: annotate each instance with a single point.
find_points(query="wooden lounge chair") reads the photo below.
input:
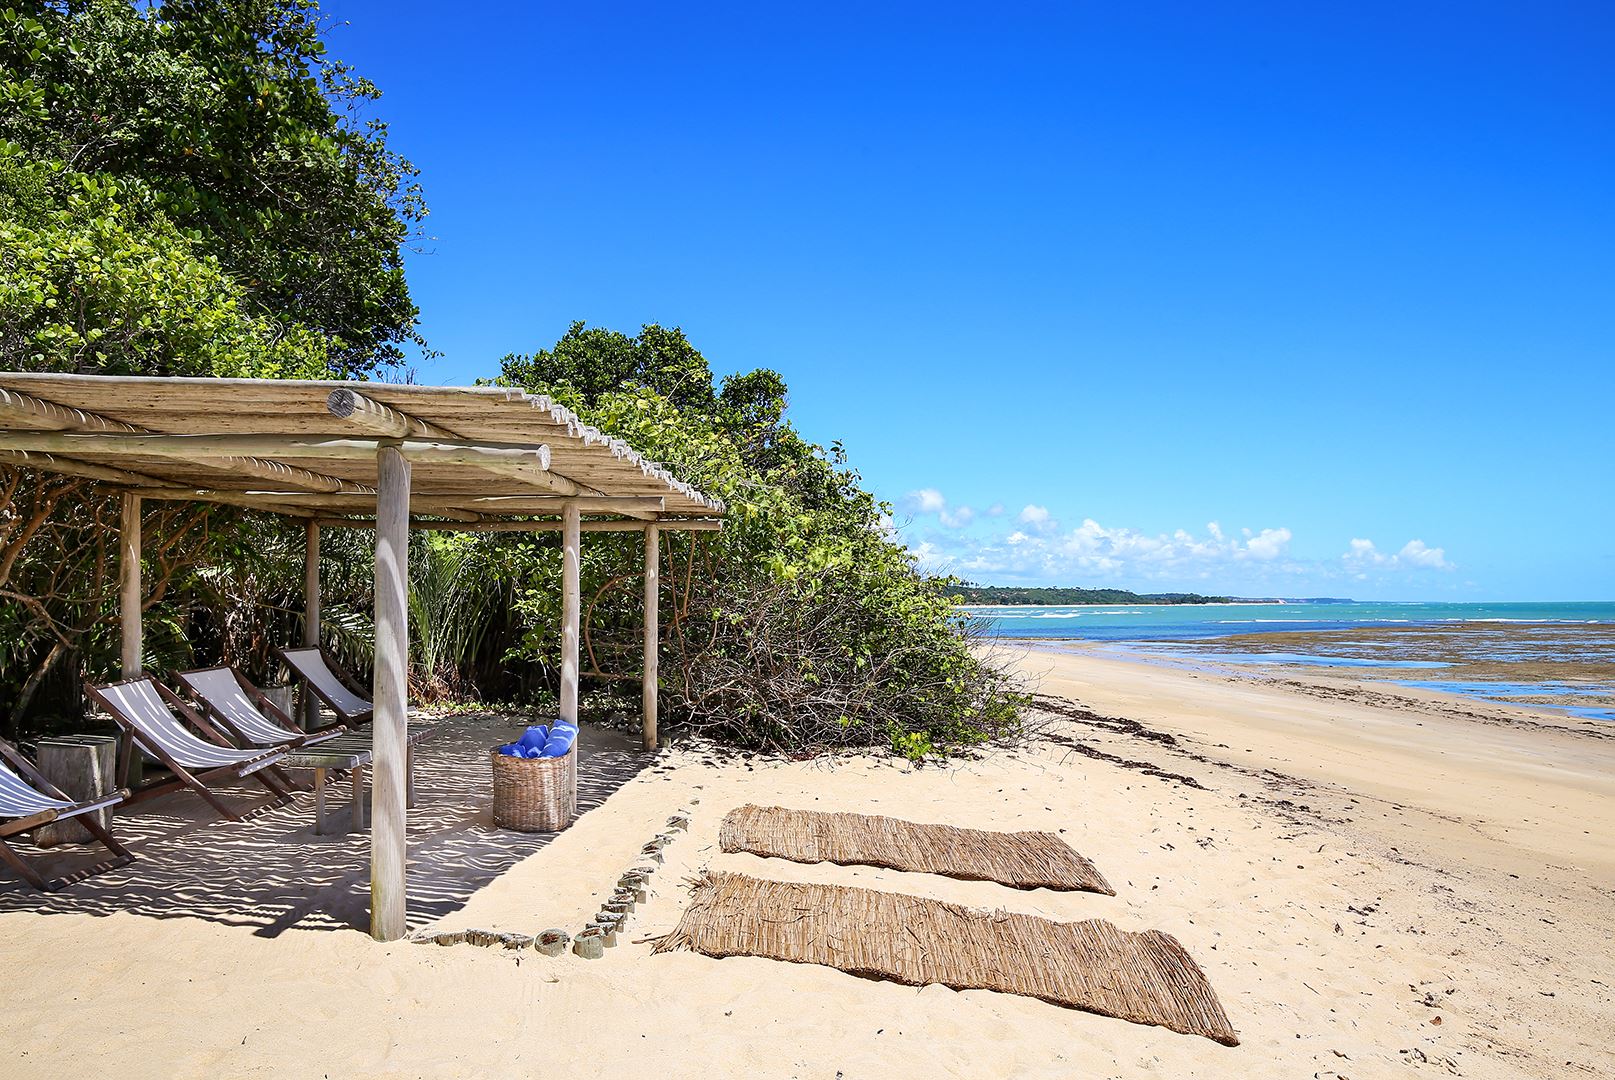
(149, 715)
(30, 800)
(320, 673)
(245, 712)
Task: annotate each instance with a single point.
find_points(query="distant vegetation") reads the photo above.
(1006, 594)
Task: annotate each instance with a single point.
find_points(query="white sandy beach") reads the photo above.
(1375, 884)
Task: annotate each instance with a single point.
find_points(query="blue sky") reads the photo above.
(1269, 299)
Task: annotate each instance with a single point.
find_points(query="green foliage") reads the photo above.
(89, 287)
(590, 363)
(186, 188)
(225, 124)
(801, 626)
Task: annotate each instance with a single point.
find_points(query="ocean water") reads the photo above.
(1186, 622)
(1517, 652)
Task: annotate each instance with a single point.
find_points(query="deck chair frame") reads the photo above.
(84, 811)
(297, 737)
(340, 673)
(132, 737)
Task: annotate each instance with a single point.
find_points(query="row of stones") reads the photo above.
(601, 933)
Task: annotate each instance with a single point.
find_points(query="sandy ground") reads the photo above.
(1375, 885)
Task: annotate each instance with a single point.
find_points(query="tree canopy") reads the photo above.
(213, 145)
(803, 625)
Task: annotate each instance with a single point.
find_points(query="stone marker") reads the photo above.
(84, 767)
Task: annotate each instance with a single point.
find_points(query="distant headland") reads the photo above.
(969, 593)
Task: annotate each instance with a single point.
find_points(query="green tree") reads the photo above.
(186, 188)
(589, 363)
(801, 626)
(225, 123)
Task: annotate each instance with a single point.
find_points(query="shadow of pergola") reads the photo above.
(272, 873)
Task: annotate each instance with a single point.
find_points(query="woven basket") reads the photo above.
(535, 794)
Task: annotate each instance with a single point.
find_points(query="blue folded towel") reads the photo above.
(560, 742)
(510, 749)
(532, 751)
(537, 735)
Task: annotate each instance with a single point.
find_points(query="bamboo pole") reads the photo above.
(648, 683)
(571, 607)
(389, 846)
(682, 524)
(311, 613)
(372, 416)
(129, 584)
(59, 420)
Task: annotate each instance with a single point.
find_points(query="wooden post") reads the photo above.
(311, 614)
(571, 608)
(653, 582)
(389, 846)
(129, 584)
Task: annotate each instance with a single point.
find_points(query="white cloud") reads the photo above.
(995, 510)
(956, 519)
(1034, 515)
(1415, 554)
(926, 501)
(1267, 544)
(1095, 553)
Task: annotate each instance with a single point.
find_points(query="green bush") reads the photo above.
(801, 626)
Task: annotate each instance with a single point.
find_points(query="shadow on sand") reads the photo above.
(272, 873)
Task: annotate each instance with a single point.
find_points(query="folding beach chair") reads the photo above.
(149, 715)
(340, 691)
(30, 801)
(245, 712)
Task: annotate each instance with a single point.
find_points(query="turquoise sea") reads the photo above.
(1559, 656)
(1180, 622)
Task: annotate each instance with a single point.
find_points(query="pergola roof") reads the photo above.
(309, 448)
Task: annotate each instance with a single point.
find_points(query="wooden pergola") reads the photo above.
(358, 454)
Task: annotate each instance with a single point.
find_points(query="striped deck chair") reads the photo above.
(150, 716)
(242, 709)
(339, 690)
(30, 800)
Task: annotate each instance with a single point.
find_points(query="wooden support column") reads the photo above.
(129, 584)
(389, 846)
(571, 607)
(653, 590)
(311, 613)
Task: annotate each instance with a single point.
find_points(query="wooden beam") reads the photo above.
(129, 593)
(292, 503)
(538, 504)
(311, 614)
(59, 418)
(571, 607)
(372, 416)
(53, 463)
(389, 846)
(692, 525)
(648, 679)
(527, 463)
